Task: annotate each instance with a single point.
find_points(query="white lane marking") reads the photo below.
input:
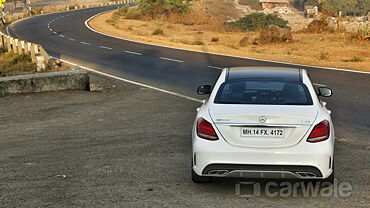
(219, 54)
(61, 36)
(130, 52)
(215, 67)
(71, 39)
(105, 47)
(55, 33)
(136, 83)
(85, 43)
(169, 59)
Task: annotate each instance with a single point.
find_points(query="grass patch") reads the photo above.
(198, 42)
(158, 31)
(355, 59)
(323, 56)
(12, 64)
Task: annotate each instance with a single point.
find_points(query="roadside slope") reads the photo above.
(326, 50)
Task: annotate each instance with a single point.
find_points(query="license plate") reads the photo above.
(263, 132)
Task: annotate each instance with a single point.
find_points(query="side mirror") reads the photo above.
(325, 92)
(204, 90)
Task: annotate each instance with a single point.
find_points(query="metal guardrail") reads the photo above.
(37, 52)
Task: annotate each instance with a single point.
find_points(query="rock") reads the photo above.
(214, 40)
(188, 23)
(96, 88)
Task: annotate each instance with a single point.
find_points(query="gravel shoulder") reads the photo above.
(126, 146)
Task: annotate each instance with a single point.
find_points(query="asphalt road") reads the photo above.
(129, 146)
(64, 35)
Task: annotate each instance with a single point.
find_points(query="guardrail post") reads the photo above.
(15, 46)
(26, 48)
(11, 45)
(8, 44)
(2, 42)
(20, 47)
(33, 52)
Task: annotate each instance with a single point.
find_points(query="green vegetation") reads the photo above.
(356, 59)
(157, 8)
(12, 64)
(324, 56)
(331, 7)
(198, 42)
(258, 21)
(318, 26)
(158, 31)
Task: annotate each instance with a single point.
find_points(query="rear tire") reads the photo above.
(199, 179)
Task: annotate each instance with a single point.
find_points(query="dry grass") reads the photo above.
(327, 49)
(11, 64)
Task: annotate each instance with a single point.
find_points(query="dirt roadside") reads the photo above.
(327, 50)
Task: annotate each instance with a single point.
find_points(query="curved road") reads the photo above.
(64, 35)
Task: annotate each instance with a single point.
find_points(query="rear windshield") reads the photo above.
(270, 92)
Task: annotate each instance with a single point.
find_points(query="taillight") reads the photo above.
(205, 130)
(320, 132)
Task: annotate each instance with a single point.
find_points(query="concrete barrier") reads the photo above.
(45, 82)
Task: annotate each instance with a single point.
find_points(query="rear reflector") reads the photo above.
(320, 132)
(205, 130)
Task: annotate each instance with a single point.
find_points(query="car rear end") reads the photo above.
(265, 134)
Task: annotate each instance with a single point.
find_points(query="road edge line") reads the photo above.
(133, 82)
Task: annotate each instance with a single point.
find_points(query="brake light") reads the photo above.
(205, 130)
(320, 132)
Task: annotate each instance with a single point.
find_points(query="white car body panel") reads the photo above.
(292, 150)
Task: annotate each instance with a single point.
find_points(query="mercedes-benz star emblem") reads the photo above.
(263, 119)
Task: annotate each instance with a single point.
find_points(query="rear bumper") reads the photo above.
(302, 161)
(262, 171)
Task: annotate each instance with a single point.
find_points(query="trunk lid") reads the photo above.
(263, 126)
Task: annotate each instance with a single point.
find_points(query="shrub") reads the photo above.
(37, 10)
(257, 21)
(158, 31)
(156, 8)
(122, 11)
(318, 26)
(243, 42)
(198, 42)
(362, 34)
(275, 34)
(356, 59)
(323, 56)
(133, 13)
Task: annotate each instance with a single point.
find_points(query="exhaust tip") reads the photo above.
(306, 174)
(218, 172)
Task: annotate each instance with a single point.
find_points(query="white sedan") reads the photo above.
(263, 123)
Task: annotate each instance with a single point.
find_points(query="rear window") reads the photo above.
(263, 92)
